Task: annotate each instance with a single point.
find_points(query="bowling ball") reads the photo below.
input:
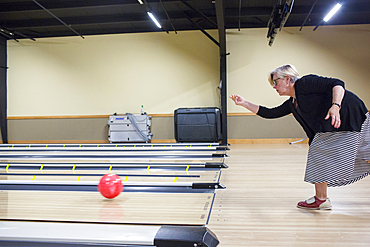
(110, 186)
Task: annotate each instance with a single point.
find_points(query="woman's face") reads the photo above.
(283, 86)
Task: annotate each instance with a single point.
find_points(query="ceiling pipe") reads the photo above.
(168, 17)
(65, 24)
(309, 13)
(240, 11)
(201, 29)
(24, 36)
(205, 17)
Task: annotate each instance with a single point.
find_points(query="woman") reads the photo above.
(336, 122)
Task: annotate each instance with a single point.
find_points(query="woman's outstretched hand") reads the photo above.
(239, 100)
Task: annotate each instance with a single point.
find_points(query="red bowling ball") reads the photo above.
(110, 186)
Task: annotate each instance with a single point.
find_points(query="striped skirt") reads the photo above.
(339, 158)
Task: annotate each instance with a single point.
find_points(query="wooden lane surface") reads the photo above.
(127, 208)
(130, 208)
(258, 208)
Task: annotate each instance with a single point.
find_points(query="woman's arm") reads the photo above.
(338, 94)
(239, 100)
(262, 111)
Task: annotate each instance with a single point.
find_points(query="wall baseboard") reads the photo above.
(164, 141)
(267, 141)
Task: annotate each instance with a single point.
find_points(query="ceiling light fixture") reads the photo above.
(154, 19)
(141, 2)
(332, 12)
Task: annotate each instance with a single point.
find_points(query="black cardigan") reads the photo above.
(314, 98)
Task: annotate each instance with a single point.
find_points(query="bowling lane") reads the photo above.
(128, 208)
(170, 205)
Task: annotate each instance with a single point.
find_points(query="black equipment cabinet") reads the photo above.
(197, 124)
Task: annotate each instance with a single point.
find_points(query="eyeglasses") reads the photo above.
(274, 82)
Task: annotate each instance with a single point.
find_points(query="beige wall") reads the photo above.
(112, 73)
(332, 51)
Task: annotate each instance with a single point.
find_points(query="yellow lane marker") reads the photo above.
(175, 179)
(13, 146)
(42, 167)
(116, 145)
(151, 146)
(126, 179)
(147, 169)
(34, 176)
(187, 168)
(73, 169)
(110, 168)
(98, 145)
(79, 177)
(64, 145)
(7, 167)
(46, 146)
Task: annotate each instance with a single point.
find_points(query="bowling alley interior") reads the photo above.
(117, 126)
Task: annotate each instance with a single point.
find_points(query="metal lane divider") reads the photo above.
(56, 234)
(171, 187)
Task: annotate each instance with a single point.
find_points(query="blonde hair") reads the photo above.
(283, 71)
